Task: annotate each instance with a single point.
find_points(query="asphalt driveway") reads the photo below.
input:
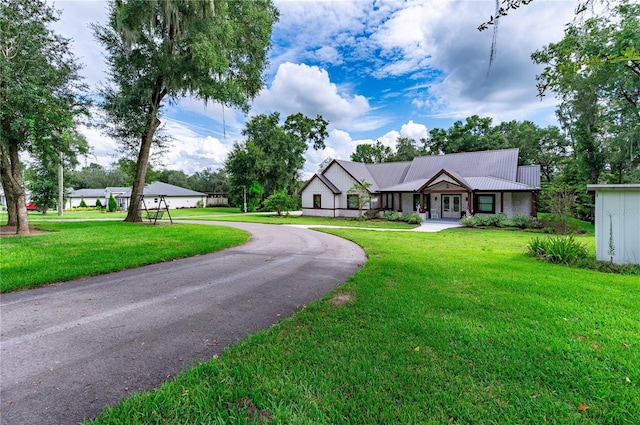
(68, 350)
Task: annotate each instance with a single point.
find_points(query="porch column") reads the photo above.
(534, 213)
(421, 202)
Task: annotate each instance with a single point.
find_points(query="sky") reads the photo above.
(376, 70)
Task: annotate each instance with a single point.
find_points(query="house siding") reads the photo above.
(316, 187)
(343, 181)
(90, 201)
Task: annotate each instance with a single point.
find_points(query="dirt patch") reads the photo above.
(11, 231)
(342, 298)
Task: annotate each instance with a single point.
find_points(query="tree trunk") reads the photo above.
(12, 219)
(133, 213)
(13, 187)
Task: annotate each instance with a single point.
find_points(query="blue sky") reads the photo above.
(375, 70)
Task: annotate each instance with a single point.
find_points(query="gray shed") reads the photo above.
(617, 220)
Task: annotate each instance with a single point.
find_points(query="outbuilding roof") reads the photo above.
(151, 189)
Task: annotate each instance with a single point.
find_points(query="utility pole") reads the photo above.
(60, 186)
(244, 197)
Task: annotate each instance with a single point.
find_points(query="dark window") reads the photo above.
(352, 202)
(416, 201)
(317, 201)
(486, 204)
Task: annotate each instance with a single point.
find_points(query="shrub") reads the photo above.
(392, 216)
(112, 205)
(412, 218)
(98, 203)
(371, 214)
(82, 203)
(494, 220)
(525, 222)
(559, 250)
(279, 202)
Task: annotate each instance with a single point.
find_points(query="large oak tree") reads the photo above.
(161, 50)
(39, 96)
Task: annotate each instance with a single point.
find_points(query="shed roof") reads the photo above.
(617, 187)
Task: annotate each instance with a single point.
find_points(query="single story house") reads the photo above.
(175, 196)
(437, 187)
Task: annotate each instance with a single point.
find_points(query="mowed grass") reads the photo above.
(453, 327)
(309, 221)
(76, 249)
(104, 215)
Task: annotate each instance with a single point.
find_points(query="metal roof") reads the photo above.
(499, 163)
(152, 189)
(529, 175)
(389, 173)
(492, 184)
(89, 193)
(411, 186)
(166, 189)
(616, 187)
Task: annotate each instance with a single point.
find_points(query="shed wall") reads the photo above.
(618, 223)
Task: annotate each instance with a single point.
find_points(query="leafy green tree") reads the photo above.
(39, 87)
(112, 205)
(372, 153)
(361, 189)
(95, 176)
(42, 182)
(209, 181)
(273, 152)
(600, 99)
(160, 50)
(279, 202)
(174, 177)
(406, 150)
(254, 196)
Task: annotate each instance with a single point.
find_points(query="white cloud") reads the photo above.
(308, 89)
(414, 130)
(191, 152)
(104, 149)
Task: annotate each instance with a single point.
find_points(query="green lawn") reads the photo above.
(452, 327)
(310, 221)
(103, 215)
(220, 214)
(75, 249)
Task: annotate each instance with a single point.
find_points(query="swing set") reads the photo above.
(153, 215)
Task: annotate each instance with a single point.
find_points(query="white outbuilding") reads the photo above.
(617, 221)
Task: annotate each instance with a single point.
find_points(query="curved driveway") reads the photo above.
(69, 349)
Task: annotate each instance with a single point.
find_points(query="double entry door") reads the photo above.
(451, 206)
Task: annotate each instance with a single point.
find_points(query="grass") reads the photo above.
(311, 221)
(77, 249)
(452, 327)
(221, 214)
(102, 215)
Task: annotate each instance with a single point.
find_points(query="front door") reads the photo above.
(451, 206)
